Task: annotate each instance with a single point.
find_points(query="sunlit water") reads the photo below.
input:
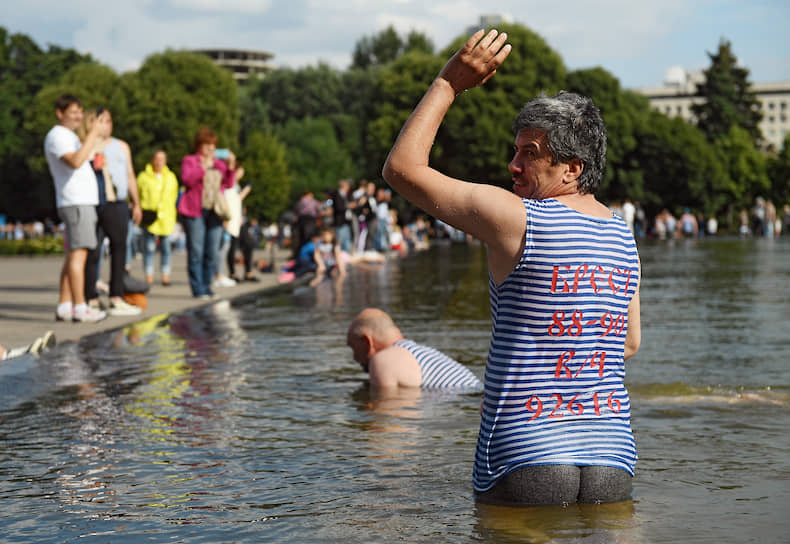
(249, 422)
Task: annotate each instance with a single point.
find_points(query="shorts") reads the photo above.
(559, 484)
(80, 224)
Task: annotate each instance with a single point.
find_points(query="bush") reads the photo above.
(49, 245)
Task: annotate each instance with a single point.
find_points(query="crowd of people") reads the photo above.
(349, 226)
(99, 197)
(564, 270)
(106, 211)
(762, 220)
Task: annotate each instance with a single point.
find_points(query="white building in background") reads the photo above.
(487, 22)
(243, 63)
(678, 93)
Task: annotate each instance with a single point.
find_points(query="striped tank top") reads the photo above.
(439, 370)
(554, 392)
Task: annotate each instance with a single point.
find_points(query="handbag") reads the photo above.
(149, 216)
(212, 197)
(221, 207)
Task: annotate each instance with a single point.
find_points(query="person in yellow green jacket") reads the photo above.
(158, 188)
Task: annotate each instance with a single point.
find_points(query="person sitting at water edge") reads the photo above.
(327, 257)
(393, 361)
(563, 281)
(40, 344)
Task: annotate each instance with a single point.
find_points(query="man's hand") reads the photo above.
(477, 61)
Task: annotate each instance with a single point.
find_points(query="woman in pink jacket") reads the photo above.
(202, 226)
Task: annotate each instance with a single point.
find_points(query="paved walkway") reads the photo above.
(29, 295)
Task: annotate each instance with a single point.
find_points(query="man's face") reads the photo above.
(71, 117)
(359, 348)
(534, 175)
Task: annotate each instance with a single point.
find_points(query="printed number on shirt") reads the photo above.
(574, 325)
(559, 408)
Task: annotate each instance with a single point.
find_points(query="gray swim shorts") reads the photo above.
(80, 224)
(560, 484)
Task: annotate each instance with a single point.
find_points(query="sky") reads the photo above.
(635, 40)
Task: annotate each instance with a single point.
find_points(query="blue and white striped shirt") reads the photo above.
(554, 391)
(439, 370)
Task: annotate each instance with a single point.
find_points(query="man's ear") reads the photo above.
(370, 345)
(575, 169)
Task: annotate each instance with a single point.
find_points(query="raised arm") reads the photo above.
(75, 159)
(493, 215)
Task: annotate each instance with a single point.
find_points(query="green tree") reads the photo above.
(417, 41)
(386, 46)
(382, 48)
(286, 94)
(24, 70)
(169, 98)
(622, 112)
(680, 168)
(746, 166)
(728, 100)
(316, 159)
(779, 173)
(266, 169)
(308, 93)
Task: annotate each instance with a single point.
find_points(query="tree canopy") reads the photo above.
(26, 192)
(728, 100)
(306, 128)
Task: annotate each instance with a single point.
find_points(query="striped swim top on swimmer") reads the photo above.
(554, 391)
(439, 370)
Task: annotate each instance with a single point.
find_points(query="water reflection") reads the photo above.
(249, 421)
(391, 432)
(593, 523)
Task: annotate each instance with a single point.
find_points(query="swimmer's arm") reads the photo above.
(633, 337)
(489, 213)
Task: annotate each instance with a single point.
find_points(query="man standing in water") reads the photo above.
(393, 362)
(563, 279)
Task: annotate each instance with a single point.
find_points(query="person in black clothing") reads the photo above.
(341, 215)
(249, 239)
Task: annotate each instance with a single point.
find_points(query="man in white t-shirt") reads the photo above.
(76, 196)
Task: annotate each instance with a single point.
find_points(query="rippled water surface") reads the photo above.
(249, 422)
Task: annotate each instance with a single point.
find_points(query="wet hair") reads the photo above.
(63, 102)
(574, 130)
(204, 136)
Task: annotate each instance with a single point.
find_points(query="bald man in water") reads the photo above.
(393, 361)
